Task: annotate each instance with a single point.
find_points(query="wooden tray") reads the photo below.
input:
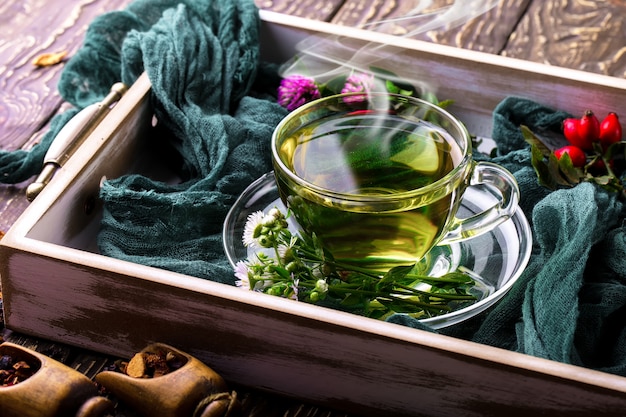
(55, 285)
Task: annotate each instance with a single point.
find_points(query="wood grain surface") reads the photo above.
(487, 32)
(587, 35)
(28, 94)
(582, 34)
(312, 9)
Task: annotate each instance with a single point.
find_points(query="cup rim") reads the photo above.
(448, 178)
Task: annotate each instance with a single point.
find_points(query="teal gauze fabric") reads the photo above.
(210, 94)
(569, 304)
(215, 103)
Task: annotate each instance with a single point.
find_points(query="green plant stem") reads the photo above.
(376, 295)
(607, 165)
(311, 257)
(444, 295)
(359, 281)
(409, 290)
(438, 280)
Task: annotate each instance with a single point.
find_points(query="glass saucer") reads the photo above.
(495, 259)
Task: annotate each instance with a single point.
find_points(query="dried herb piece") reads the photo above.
(136, 367)
(49, 59)
(13, 372)
(152, 364)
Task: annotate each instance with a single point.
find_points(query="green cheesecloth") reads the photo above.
(216, 100)
(202, 58)
(569, 304)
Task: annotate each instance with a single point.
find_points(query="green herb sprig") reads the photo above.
(296, 266)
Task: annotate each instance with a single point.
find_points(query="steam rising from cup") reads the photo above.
(326, 57)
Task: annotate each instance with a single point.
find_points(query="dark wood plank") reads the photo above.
(30, 28)
(487, 32)
(28, 94)
(579, 34)
(311, 9)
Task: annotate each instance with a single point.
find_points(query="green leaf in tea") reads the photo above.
(421, 151)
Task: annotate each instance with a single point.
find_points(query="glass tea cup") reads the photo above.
(378, 178)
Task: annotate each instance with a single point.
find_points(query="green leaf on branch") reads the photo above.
(394, 89)
(534, 140)
(572, 174)
(445, 103)
(398, 85)
(394, 275)
(334, 86)
(551, 171)
(602, 180)
(455, 277)
(542, 168)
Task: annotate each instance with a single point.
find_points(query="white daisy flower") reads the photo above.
(294, 287)
(254, 220)
(241, 273)
(275, 213)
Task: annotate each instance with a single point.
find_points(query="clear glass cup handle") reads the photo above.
(500, 183)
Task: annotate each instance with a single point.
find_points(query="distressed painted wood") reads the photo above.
(254, 403)
(581, 34)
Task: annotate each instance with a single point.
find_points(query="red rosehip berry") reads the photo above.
(570, 131)
(576, 155)
(610, 130)
(589, 128)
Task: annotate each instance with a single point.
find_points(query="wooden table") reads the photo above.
(580, 34)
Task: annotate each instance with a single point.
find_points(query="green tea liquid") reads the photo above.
(370, 155)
